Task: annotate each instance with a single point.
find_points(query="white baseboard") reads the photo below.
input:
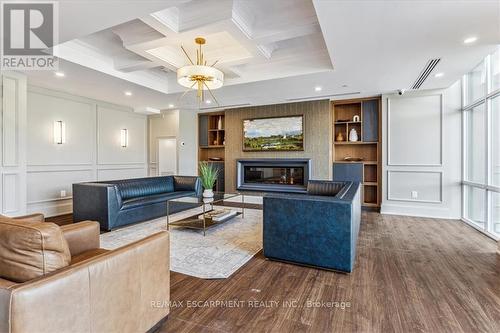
(429, 212)
(50, 209)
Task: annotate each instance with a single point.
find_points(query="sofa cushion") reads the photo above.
(31, 250)
(152, 199)
(145, 186)
(326, 188)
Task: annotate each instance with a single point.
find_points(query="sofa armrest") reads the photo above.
(188, 183)
(125, 290)
(96, 202)
(37, 217)
(82, 236)
(5, 296)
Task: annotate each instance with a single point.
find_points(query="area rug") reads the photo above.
(219, 254)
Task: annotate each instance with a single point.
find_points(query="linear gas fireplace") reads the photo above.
(276, 175)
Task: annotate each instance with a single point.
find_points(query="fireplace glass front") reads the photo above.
(273, 175)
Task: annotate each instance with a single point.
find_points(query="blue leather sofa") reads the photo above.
(317, 229)
(121, 202)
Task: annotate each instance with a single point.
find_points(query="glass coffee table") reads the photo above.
(209, 217)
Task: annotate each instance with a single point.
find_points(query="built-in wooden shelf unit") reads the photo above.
(211, 140)
(367, 148)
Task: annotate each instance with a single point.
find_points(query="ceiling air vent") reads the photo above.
(429, 67)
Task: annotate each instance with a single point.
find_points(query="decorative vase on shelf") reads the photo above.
(355, 118)
(219, 123)
(340, 137)
(208, 193)
(353, 135)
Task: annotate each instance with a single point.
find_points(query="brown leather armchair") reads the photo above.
(123, 290)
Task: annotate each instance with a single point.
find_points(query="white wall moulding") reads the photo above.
(121, 173)
(53, 168)
(11, 193)
(78, 116)
(415, 131)
(422, 153)
(13, 166)
(10, 122)
(110, 122)
(46, 186)
(427, 184)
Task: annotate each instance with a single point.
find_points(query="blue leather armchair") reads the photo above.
(317, 229)
(122, 202)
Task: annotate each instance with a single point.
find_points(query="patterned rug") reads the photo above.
(219, 254)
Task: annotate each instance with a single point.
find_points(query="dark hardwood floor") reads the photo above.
(411, 275)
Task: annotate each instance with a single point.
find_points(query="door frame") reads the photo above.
(158, 172)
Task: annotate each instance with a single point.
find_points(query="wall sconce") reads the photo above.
(124, 138)
(59, 132)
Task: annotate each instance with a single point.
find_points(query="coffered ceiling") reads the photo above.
(271, 51)
(250, 41)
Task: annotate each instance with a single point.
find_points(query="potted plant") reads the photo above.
(208, 175)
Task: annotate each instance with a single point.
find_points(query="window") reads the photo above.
(495, 141)
(476, 203)
(481, 116)
(476, 83)
(495, 70)
(495, 213)
(475, 146)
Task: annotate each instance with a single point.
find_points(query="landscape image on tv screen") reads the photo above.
(283, 133)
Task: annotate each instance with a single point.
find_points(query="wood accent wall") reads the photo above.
(317, 143)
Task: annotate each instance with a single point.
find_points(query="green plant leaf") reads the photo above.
(208, 175)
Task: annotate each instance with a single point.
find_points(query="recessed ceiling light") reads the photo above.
(170, 106)
(60, 74)
(345, 86)
(470, 40)
(318, 88)
(128, 93)
(438, 75)
(208, 101)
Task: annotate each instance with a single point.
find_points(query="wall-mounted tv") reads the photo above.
(273, 134)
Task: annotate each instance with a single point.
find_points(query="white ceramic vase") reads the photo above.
(208, 193)
(353, 135)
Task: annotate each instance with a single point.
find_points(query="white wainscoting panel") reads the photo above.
(428, 185)
(79, 118)
(46, 186)
(121, 173)
(414, 131)
(13, 128)
(110, 122)
(10, 122)
(11, 193)
(92, 150)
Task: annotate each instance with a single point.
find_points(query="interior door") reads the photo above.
(167, 156)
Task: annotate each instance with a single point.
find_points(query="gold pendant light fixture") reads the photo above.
(200, 76)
